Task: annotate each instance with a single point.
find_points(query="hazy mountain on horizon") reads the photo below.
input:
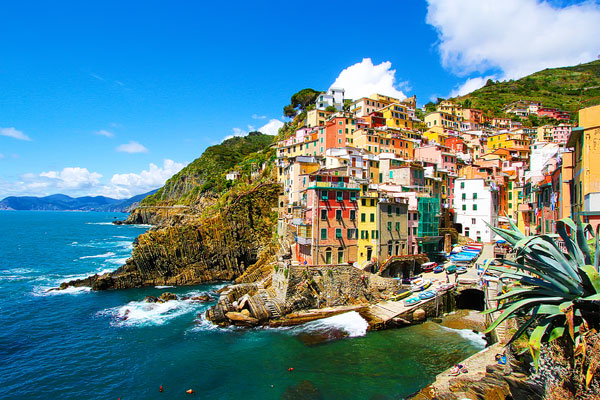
(62, 202)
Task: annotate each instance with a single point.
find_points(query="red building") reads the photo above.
(329, 234)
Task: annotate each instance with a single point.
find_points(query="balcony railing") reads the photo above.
(335, 185)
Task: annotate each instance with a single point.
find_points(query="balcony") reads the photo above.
(335, 185)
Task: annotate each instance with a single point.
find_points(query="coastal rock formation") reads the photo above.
(215, 247)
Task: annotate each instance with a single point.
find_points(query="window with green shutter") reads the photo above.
(363, 217)
(323, 214)
(352, 196)
(464, 196)
(398, 226)
(372, 217)
(324, 195)
(474, 196)
(352, 215)
(338, 215)
(464, 207)
(339, 196)
(462, 185)
(389, 224)
(338, 233)
(474, 207)
(324, 233)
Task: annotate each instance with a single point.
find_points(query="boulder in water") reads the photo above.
(151, 299)
(240, 319)
(419, 315)
(166, 296)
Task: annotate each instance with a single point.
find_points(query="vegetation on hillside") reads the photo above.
(207, 173)
(300, 102)
(566, 88)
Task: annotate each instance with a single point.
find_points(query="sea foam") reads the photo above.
(104, 255)
(478, 339)
(351, 323)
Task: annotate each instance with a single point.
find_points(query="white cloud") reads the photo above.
(517, 37)
(127, 185)
(470, 85)
(102, 132)
(78, 181)
(132, 147)
(73, 178)
(271, 127)
(13, 133)
(364, 79)
(256, 116)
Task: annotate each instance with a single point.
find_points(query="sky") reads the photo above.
(112, 97)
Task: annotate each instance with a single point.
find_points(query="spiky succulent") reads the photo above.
(556, 286)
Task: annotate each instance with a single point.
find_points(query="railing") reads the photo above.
(336, 185)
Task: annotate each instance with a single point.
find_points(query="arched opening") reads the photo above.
(471, 299)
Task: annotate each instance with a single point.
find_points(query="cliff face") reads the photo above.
(200, 249)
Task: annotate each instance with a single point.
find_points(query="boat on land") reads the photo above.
(420, 285)
(438, 269)
(401, 294)
(412, 301)
(429, 266)
(450, 269)
(428, 294)
(461, 270)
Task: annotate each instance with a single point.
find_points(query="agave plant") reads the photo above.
(557, 288)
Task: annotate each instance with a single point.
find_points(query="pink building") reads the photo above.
(438, 155)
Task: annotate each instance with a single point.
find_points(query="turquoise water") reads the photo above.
(77, 344)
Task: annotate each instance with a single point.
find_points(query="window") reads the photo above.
(339, 196)
(323, 214)
(367, 235)
(352, 215)
(338, 233)
(363, 217)
(352, 196)
(474, 196)
(328, 256)
(474, 207)
(415, 231)
(397, 210)
(389, 225)
(375, 234)
(324, 233)
(473, 221)
(462, 185)
(338, 215)
(398, 226)
(390, 210)
(324, 195)
(510, 195)
(372, 217)
(340, 256)
(363, 202)
(351, 233)
(464, 207)
(464, 196)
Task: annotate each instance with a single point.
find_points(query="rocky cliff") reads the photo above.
(218, 246)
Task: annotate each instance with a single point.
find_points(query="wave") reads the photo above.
(99, 223)
(478, 339)
(105, 255)
(41, 291)
(140, 313)
(163, 287)
(351, 323)
(118, 261)
(140, 225)
(17, 271)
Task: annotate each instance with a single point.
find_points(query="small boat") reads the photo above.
(461, 270)
(450, 269)
(412, 301)
(420, 285)
(428, 267)
(438, 269)
(401, 294)
(427, 294)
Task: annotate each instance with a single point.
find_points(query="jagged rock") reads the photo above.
(166, 296)
(151, 299)
(419, 315)
(204, 297)
(240, 319)
(245, 312)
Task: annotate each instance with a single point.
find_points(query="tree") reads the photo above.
(304, 98)
(489, 82)
(430, 107)
(467, 103)
(289, 111)
(330, 109)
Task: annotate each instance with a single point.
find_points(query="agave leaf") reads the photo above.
(556, 333)
(565, 281)
(590, 373)
(592, 297)
(592, 275)
(582, 242)
(535, 340)
(552, 309)
(523, 327)
(546, 244)
(516, 306)
(597, 251)
(571, 245)
(517, 291)
(570, 321)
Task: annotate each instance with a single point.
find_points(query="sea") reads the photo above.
(82, 344)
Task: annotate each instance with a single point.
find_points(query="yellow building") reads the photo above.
(368, 228)
(436, 134)
(585, 141)
(449, 107)
(507, 140)
(396, 116)
(317, 118)
(443, 120)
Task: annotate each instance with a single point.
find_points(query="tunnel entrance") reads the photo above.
(399, 269)
(471, 299)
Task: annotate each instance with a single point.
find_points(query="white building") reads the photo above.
(476, 201)
(333, 97)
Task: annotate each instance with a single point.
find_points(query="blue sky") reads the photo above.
(113, 97)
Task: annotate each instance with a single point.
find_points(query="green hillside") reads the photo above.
(563, 88)
(207, 173)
